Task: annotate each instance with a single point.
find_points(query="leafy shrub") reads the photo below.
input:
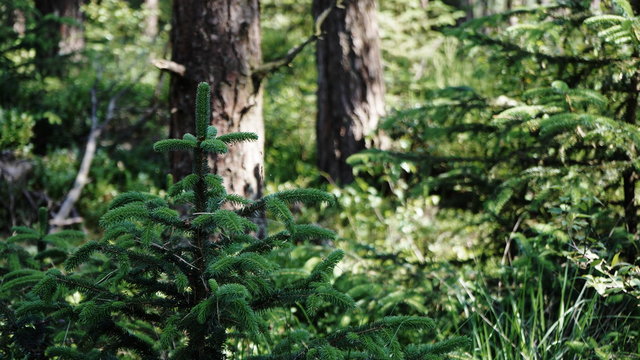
(16, 129)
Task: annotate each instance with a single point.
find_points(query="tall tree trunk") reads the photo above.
(219, 42)
(630, 177)
(19, 22)
(486, 7)
(470, 7)
(151, 28)
(350, 84)
(65, 37)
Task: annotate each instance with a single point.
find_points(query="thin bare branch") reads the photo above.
(82, 177)
(168, 65)
(263, 70)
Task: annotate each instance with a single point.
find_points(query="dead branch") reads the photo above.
(82, 177)
(170, 66)
(263, 70)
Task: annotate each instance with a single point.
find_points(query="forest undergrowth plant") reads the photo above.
(203, 284)
(548, 159)
(28, 324)
(529, 322)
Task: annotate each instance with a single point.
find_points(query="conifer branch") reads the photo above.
(484, 39)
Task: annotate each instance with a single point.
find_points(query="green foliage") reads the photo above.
(34, 310)
(539, 170)
(47, 133)
(200, 279)
(16, 129)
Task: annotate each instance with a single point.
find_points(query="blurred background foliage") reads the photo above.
(484, 215)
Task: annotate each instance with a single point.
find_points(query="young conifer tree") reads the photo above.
(192, 285)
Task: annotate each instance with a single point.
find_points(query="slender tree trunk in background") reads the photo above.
(350, 83)
(631, 177)
(72, 35)
(486, 7)
(151, 28)
(19, 22)
(469, 7)
(219, 42)
(65, 38)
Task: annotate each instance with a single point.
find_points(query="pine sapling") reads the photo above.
(196, 284)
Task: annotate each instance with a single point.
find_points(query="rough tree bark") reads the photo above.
(65, 37)
(219, 42)
(350, 84)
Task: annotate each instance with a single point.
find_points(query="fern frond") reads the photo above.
(606, 19)
(496, 204)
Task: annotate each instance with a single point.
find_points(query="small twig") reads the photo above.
(104, 278)
(507, 247)
(174, 255)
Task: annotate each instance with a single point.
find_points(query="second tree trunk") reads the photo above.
(219, 42)
(350, 83)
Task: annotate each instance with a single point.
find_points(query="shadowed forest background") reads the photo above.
(413, 179)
